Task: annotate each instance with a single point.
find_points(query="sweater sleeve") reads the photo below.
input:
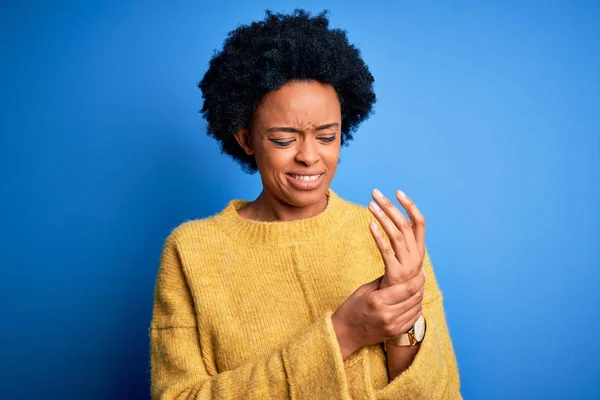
(433, 374)
(309, 366)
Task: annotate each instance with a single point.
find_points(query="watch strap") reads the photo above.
(406, 339)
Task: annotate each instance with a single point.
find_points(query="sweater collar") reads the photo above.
(282, 233)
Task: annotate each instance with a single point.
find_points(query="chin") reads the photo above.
(305, 198)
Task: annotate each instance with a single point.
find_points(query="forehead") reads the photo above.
(309, 102)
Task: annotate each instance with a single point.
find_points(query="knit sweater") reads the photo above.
(242, 310)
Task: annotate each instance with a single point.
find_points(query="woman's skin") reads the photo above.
(296, 131)
(403, 258)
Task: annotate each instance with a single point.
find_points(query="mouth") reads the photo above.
(305, 182)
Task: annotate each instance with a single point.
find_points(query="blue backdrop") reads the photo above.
(487, 116)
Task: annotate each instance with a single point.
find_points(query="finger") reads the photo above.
(400, 292)
(370, 286)
(396, 237)
(398, 219)
(413, 315)
(393, 269)
(403, 307)
(417, 220)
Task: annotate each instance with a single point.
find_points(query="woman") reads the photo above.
(298, 294)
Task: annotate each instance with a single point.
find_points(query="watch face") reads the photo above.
(420, 328)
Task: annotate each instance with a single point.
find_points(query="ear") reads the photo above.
(244, 139)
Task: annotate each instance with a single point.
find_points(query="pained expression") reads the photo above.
(295, 138)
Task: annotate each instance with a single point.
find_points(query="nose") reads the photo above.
(307, 152)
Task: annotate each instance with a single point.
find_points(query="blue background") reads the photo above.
(487, 116)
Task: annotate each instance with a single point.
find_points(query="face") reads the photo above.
(295, 139)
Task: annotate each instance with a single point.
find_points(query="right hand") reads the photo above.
(372, 315)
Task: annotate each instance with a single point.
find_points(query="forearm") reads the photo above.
(399, 359)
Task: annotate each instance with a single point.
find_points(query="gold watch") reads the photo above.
(412, 337)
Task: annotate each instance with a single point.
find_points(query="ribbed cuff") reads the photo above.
(314, 364)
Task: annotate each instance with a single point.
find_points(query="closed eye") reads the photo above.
(327, 139)
(280, 143)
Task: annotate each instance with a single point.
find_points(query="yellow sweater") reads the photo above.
(242, 310)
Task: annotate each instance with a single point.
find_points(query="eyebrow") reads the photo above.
(295, 130)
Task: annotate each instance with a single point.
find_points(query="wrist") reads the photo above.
(344, 337)
(413, 337)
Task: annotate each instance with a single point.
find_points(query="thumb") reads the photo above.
(371, 286)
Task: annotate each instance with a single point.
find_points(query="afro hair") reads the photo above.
(265, 55)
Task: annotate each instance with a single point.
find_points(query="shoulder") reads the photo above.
(194, 231)
(356, 220)
(355, 211)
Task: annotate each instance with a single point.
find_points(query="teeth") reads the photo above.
(307, 178)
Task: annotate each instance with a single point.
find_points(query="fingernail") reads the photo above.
(401, 194)
(375, 206)
(377, 193)
(374, 226)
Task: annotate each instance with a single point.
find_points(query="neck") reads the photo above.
(269, 208)
(277, 233)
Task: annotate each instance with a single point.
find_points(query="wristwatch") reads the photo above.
(412, 337)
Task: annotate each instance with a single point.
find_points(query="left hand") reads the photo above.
(404, 259)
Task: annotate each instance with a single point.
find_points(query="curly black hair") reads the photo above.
(265, 55)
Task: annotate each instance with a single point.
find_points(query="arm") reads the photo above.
(399, 358)
(434, 371)
(309, 366)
